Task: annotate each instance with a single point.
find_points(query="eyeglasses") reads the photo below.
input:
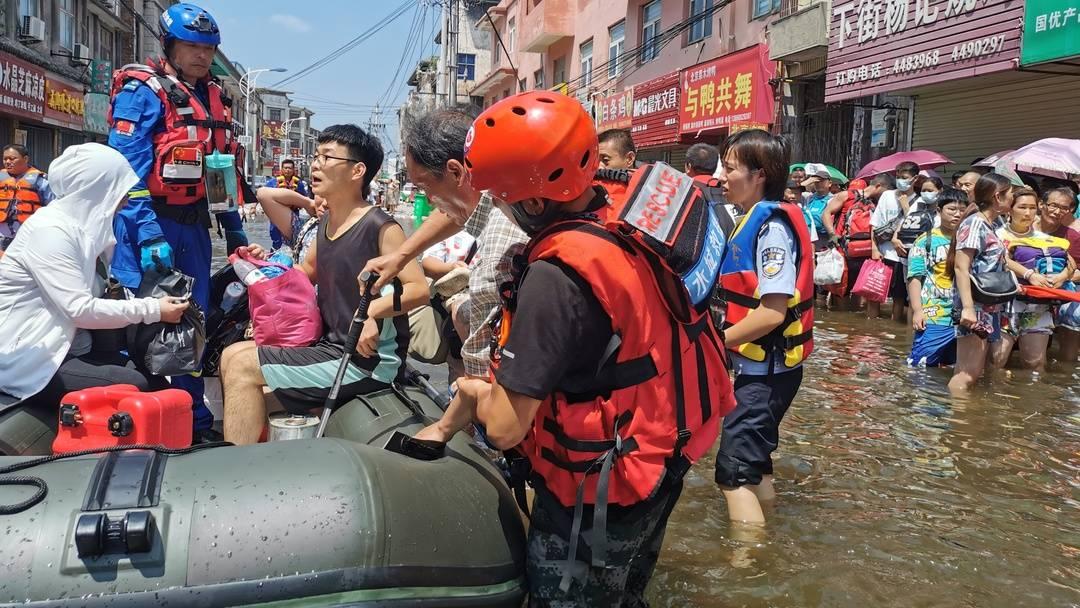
(1061, 208)
(321, 159)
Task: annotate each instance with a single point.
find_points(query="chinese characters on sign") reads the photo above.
(63, 104)
(22, 87)
(273, 129)
(101, 73)
(615, 111)
(656, 111)
(883, 45)
(732, 89)
(1051, 31)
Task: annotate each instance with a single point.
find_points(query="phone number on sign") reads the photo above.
(921, 61)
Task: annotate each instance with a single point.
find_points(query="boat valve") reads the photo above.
(97, 533)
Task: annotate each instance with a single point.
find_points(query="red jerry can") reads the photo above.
(121, 415)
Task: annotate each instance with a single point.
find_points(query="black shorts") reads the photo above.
(300, 377)
(898, 286)
(854, 267)
(752, 430)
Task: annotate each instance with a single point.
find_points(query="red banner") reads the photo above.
(656, 111)
(615, 111)
(272, 129)
(732, 89)
(22, 87)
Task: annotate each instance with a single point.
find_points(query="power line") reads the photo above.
(501, 45)
(413, 39)
(348, 46)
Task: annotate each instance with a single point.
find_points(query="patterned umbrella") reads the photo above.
(926, 159)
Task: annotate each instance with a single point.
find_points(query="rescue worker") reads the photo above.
(23, 190)
(701, 163)
(290, 181)
(166, 117)
(767, 282)
(617, 150)
(589, 375)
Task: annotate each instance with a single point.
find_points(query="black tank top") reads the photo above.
(338, 262)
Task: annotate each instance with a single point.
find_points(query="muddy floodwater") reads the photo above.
(891, 493)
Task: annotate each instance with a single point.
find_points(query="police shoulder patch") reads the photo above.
(772, 261)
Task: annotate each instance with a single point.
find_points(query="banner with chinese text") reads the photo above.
(101, 73)
(1051, 31)
(655, 118)
(732, 89)
(273, 129)
(614, 111)
(22, 88)
(64, 105)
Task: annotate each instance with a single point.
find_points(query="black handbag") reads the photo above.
(994, 287)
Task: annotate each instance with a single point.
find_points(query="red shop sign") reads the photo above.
(732, 89)
(22, 87)
(878, 46)
(613, 111)
(655, 118)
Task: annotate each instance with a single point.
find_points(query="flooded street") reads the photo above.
(890, 492)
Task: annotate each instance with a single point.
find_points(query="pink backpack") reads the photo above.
(284, 309)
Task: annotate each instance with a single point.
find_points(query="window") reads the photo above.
(84, 30)
(765, 7)
(65, 24)
(650, 31)
(522, 86)
(701, 27)
(275, 114)
(104, 42)
(496, 51)
(293, 114)
(586, 64)
(118, 49)
(538, 79)
(511, 34)
(29, 7)
(617, 38)
(466, 66)
(559, 76)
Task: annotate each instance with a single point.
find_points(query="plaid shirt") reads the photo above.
(499, 241)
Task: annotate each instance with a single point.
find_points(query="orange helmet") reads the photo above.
(538, 144)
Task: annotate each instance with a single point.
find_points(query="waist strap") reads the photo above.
(188, 215)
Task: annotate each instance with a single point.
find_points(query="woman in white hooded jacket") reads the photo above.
(51, 285)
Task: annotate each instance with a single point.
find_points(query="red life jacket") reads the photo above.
(191, 131)
(739, 284)
(19, 195)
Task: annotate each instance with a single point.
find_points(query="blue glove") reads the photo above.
(150, 250)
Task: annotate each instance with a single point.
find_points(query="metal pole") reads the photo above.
(452, 53)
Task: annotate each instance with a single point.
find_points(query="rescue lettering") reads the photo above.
(659, 203)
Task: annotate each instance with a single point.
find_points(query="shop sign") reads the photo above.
(294, 151)
(101, 73)
(1051, 31)
(732, 89)
(95, 113)
(22, 88)
(878, 46)
(614, 111)
(655, 119)
(746, 126)
(273, 129)
(64, 104)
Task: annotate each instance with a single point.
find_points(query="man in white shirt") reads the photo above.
(891, 209)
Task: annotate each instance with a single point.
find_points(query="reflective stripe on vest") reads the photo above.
(738, 282)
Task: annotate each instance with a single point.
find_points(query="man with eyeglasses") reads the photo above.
(167, 117)
(351, 232)
(1056, 214)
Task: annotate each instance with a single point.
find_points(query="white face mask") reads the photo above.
(930, 197)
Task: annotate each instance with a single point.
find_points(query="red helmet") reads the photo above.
(538, 144)
(857, 184)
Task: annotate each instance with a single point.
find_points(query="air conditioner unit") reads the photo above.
(80, 55)
(33, 30)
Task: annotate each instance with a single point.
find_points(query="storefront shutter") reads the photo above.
(39, 142)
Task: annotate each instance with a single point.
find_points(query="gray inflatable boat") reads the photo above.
(337, 521)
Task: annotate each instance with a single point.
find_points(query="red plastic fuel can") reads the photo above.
(121, 415)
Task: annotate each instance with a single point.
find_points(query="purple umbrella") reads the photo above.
(924, 158)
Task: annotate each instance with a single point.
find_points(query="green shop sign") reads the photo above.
(1051, 31)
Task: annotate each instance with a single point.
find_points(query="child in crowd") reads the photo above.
(930, 286)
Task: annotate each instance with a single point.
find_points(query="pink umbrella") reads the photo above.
(924, 158)
(1054, 156)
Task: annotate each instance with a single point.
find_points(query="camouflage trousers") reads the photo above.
(635, 535)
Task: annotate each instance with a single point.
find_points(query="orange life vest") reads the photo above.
(20, 194)
(191, 131)
(739, 283)
(292, 184)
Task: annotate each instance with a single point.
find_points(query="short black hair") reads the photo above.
(1061, 191)
(18, 148)
(703, 158)
(362, 146)
(438, 137)
(288, 161)
(622, 139)
(762, 151)
(884, 180)
(952, 195)
(957, 175)
(907, 167)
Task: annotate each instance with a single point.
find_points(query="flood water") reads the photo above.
(891, 493)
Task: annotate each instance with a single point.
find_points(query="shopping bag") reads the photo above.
(873, 281)
(828, 266)
(169, 349)
(284, 309)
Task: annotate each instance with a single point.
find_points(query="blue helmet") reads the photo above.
(189, 23)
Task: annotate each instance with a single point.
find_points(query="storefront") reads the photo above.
(654, 119)
(724, 95)
(65, 109)
(957, 59)
(614, 111)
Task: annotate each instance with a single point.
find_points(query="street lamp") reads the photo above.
(248, 87)
(285, 134)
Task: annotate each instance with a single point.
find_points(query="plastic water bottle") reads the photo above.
(233, 292)
(249, 273)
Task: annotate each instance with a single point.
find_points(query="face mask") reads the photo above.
(903, 184)
(930, 197)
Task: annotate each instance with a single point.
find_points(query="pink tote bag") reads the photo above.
(873, 281)
(284, 309)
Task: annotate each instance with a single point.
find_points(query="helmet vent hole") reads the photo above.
(490, 122)
(556, 174)
(545, 100)
(520, 111)
(585, 159)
